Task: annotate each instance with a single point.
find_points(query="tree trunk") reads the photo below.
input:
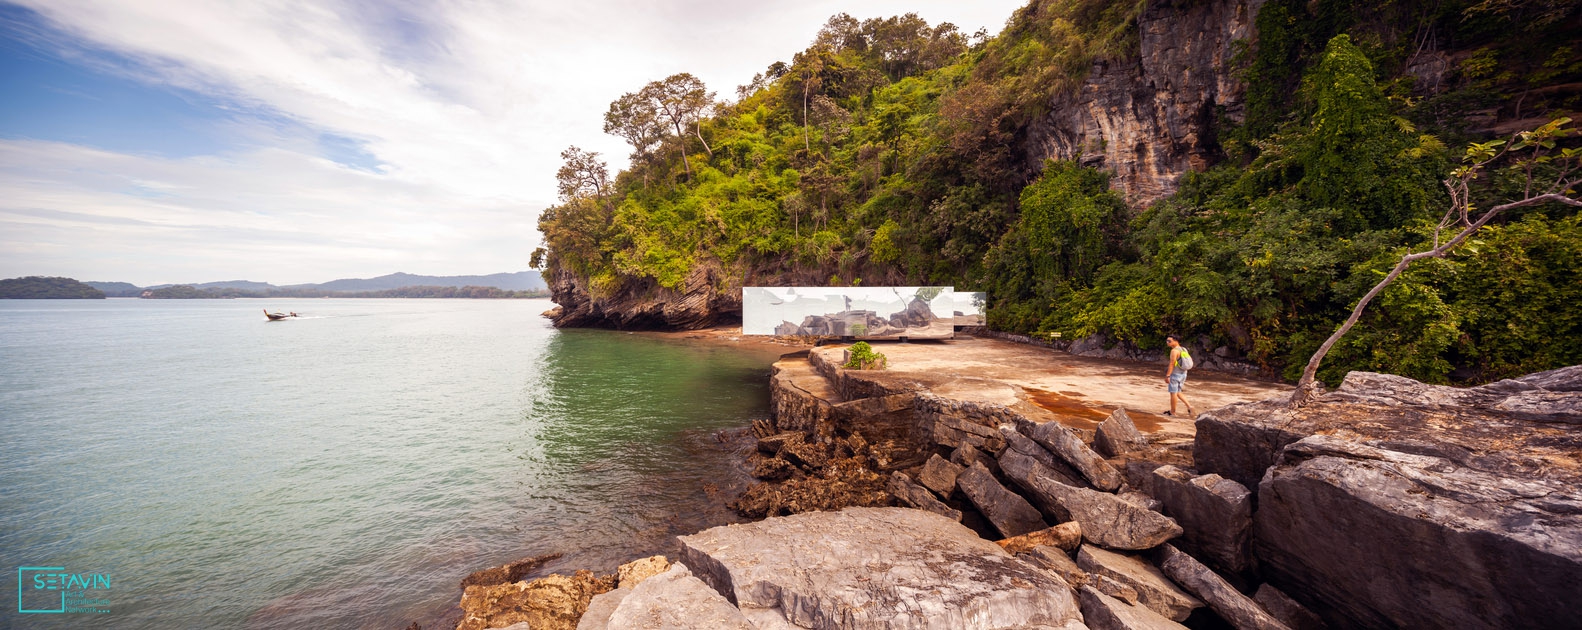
(697, 129)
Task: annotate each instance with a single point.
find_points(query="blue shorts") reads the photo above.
(1177, 379)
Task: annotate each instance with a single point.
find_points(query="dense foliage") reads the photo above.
(890, 152)
(47, 288)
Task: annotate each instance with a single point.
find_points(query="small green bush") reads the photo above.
(862, 357)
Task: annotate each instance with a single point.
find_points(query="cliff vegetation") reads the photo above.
(1056, 166)
(47, 288)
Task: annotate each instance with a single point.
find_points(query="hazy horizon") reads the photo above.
(161, 142)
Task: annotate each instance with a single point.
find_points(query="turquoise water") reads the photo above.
(345, 469)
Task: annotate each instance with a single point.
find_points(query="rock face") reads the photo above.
(675, 600)
(704, 300)
(1108, 520)
(877, 568)
(1102, 612)
(1118, 435)
(1070, 448)
(1391, 503)
(1007, 511)
(1287, 610)
(1215, 515)
(555, 602)
(902, 488)
(1154, 591)
(1241, 611)
(1151, 118)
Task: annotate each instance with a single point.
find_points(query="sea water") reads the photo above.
(343, 469)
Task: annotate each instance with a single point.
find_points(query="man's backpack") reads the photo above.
(1185, 361)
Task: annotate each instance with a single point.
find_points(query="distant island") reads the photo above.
(522, 284)
(47, 288)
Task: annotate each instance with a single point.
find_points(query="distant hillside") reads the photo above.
(117, 289)
(519, 281)
(42, 288)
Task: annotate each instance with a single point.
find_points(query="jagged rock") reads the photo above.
(509, 572)
(1142, 500)
(1154, 590)
(553, 602)
(633, 573)
(1102, 612)
(597, 617)
(1368, 535)
(1065, 536)
(676, 600)
(1215, 515)
(1224, 599)
(1287, 610)
(1108, 520)
(911, 494)
(966, 455)
(1018, 446)
(939, 475)
(841, 483)
(877, 567)
(1069, 448)
(808, 455)
(1055, 560)
(1113, 587)
(773, 469)
(763, 428)
(771, 444)
(1117, 435)
(1010, 514)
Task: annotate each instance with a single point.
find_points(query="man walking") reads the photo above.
(1176, 373)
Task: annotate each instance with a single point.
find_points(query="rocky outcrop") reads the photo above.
(676, 600)
(1118, 435)
(1215, 515)
(1102, 612)
(877, 567)
(1065, 444)
(1154, 591)
(555, 602)
(1151, 118)
(703, 300)
(940, 475)
(1241, 611)
(509, 572)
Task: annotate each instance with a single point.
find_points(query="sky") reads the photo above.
(160, 141)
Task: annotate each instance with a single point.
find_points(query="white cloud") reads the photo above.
(464, 105)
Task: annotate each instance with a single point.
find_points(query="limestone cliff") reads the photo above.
(1151, 118)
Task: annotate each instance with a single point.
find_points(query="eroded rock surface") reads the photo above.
(1102, 612)
(877, 567)
(1064, 536)
(676, 600)
(1240, 610)
(1108, 520)
(555, 602)
(913, 495)
(1154, 591)
(940, 475)
(1118, 435)
(1215, 515)
(1065, 444)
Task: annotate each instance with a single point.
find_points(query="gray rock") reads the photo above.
(901, 487)
(1021, 470)
(1113, 587)
(1108, 520)
(1287, 610)
(1069, 448)
(1055, 560)
(1117, 435)
(1023, 445)
(676, 600)
(1010, 514)
(1224, 599)
(939, 475)
(1154, 591)
(1142, 500)
(1215, 515)
(1102, 612)
(1367, 535)
(877, 568)
(597, 617)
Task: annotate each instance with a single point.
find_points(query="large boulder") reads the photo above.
(1102, 612)
(913, 495)
(877, 568)
(1069, 447)
(1240, 610)
(676, 600)
(1010, 514)
(1154, 591)
(1108, 520)
(1379, 534)
(1215, 514)
(1118, 435)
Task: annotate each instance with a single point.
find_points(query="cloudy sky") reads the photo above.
(155, 141)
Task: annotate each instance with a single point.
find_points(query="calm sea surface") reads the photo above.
(344, 469)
